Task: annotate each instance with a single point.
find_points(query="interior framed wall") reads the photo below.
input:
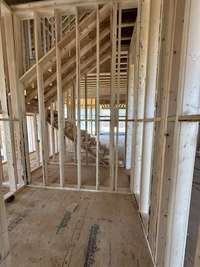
(169, 144)
(16, 170)
(164, 76)
(53, 77)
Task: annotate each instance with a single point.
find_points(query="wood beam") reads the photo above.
(8, 126)
(118, 96)
(141, 83)
(86, 117)
(113, 93)
(12, 35)
(97, 95)
(60, 98)
(78, 100)
(150, 102)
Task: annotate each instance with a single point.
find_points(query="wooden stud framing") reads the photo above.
(60, 97)
(185, 137)
(118, 96)
(97, 98)
(113, 93)
(66, 104)
(74, 120)
(53, 31)
(52, 130)
(37, 142)
(48, 37)
(4, 247)
(68, 79)
(141, 81)
(8, 126)
(136, 50)
(86, 118)
(41, 107)
(26, 45)
(25, 10)
(29, 41)
(18, 97)
(11, 103)
(130, 107)
(78, 99)
(177, 132)
(44, 36)
(55, 130)
(95, 114)
(126, 115)
(150, 98)
(47, 60)
(24, 144)
(91, 120)
(17, 101)
(130, 110)
(173, 16)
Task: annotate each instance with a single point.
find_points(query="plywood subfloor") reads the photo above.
(51, 228)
